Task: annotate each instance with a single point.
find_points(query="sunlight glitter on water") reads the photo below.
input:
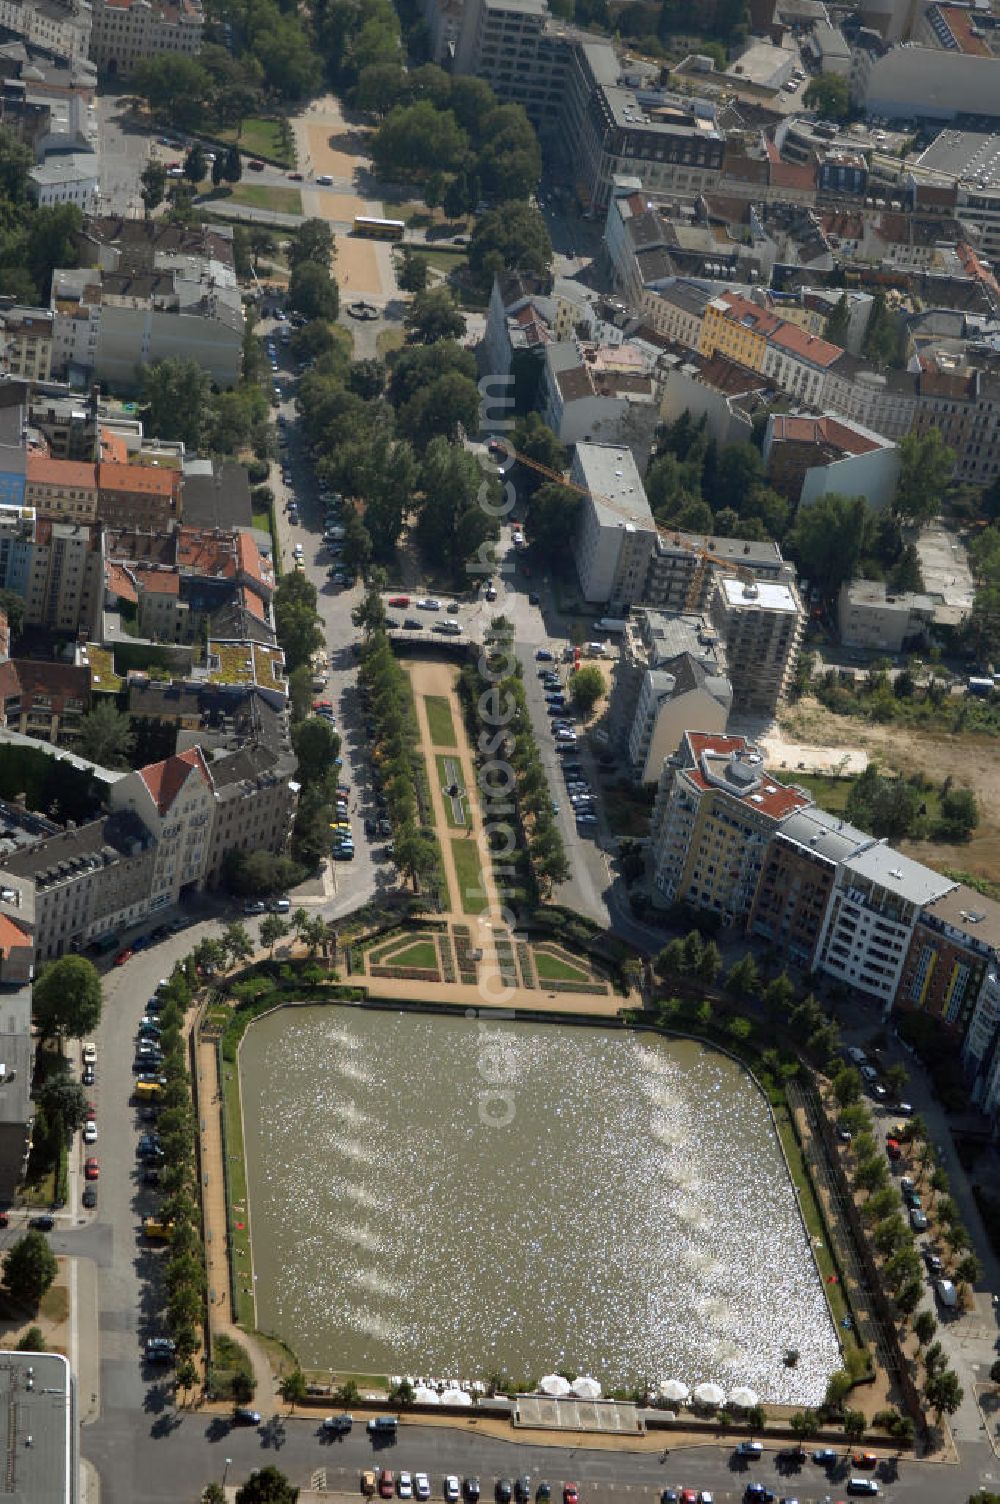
(634, 1221)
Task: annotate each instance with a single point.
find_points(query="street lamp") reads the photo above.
(225, 1470)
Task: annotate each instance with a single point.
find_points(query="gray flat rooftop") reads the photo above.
(898, 874)
(610, 473)
(969, 912)
(824, 833)
(974, 155)
(39, 1473)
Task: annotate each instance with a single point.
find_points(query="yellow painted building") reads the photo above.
(738, 329)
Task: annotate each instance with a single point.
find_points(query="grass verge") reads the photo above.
(422, 953)
(440, 762)
(465, 854)
(388, 340)
(439, 721)
(263, 196)
(262, 138)
(239, 1234)
(813, 1218)
(553, 969)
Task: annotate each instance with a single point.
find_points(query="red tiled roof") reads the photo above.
(797, 341)
(55, 679)
(159, 581)
(149, 479)
(960, 26)
(207, 552)
(776, 800)
(750, 315)
(250, 561)
(252, 602)
(119, 580)
(70, 474)
(113, 447)
(164, 780)
(12, 936)
(802, 430)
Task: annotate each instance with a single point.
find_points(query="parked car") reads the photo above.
(337, 1425)
(242, 1415)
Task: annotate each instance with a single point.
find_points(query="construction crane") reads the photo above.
(706, 559)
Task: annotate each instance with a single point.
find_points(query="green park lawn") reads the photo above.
(442, 772)
(439, 721)
(465, 853)
(261, 196)
(553, 969)
(423, 953)
(261, 138)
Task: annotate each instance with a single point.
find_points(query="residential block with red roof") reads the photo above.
(717, 808)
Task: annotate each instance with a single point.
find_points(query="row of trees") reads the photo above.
(179, 402)
(895, 807)
(513, 750)
(312, 290)
(386, 438)
(395, 752)
(454, 138)
(184, 1273)
(834, 539)
(890, 1232)
(33, 240)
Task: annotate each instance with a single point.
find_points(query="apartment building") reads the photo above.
(255, 804)
(64, 589)
(147, 291)
(807, 457)
(737, 328)
(617, 120)
(146, 496)
(873, 911)
(761, 625)
(71, 178)
(670, 674)
(797, 879)
(174, 801)
(511, 44)
(616, 533)
(599, 394)
(125, 32)
(954, 947)
(61, 490)
(684, 568)
(17, 537)
(26, 343)
(715, 813)
(43, 700)
(62, 29)
(88, 881)
(869, 616)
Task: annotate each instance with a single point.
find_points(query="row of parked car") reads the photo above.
(406, 1485)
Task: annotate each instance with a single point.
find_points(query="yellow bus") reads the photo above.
(157, 1231)
(378, 229)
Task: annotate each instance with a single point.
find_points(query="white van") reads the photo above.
(946, 1294)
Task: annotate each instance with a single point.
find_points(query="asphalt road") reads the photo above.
(370, 871)
(162, 1457)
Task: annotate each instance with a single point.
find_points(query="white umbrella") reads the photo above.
(456, 1397)
(744, 1398)
(710, 1394)
(555, 1385)
(673, 1389)
(424, 1396)
(586, 1388)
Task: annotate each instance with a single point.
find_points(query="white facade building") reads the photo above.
(616, 533)
(71, 179)
(875, 904)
